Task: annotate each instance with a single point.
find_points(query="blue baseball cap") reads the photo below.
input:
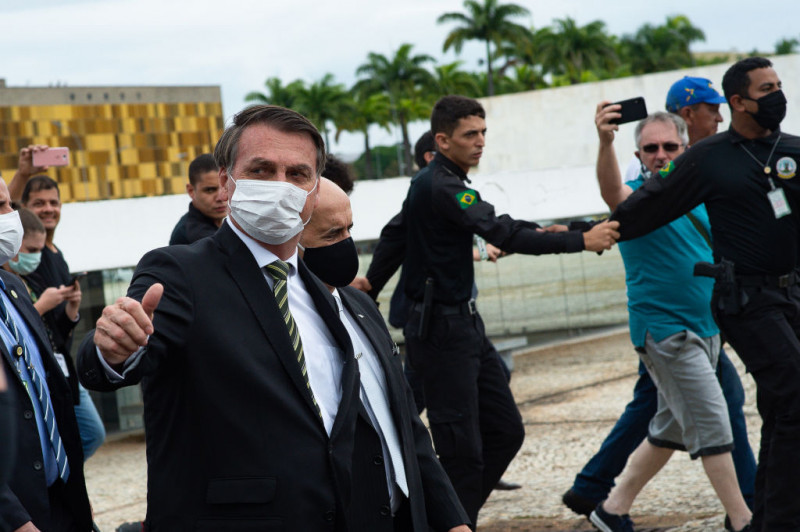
(689, 91)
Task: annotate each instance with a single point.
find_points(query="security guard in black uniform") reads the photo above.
(475, 424)
(747, 178)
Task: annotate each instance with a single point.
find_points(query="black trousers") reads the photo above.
(766, 336)
(475, 424)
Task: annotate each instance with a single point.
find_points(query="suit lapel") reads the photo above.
(254, 288)
(375, 336)
(326, 307)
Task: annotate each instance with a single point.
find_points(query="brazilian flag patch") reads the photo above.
(466, 198)
(665, 171)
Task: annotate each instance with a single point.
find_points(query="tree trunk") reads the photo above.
(370, 173)
(490, 73)
(407, 160)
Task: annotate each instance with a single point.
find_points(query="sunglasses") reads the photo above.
(669, 147)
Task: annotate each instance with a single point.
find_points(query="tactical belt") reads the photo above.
(773, 281)
(467, 308)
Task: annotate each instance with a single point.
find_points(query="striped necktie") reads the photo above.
(279, 271)
(37, 393)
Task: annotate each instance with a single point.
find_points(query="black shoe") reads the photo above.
(577, 503)
(729, 526)
(502, 485)
(136, 526)
(607, 522)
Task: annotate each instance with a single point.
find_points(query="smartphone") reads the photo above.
(631, 110)
(51, 157)
(77, 277)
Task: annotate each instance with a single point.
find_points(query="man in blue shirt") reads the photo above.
(672, 329)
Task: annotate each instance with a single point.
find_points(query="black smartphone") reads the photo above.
(631, 110)
(75, 278)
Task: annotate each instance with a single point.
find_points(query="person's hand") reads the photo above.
(460, 528)
(361, 283)
(124, 326)
(28, 527)
(555, 228)
(25, 163)
(72, 296)
(603, 115)
(602, 236)
(50, 299)
(494, 252)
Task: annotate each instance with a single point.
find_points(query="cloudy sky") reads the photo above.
(237, 44)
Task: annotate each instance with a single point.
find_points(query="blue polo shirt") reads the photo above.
(664, 297)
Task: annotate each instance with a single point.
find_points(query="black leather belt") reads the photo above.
(467, 308)
(773, 281)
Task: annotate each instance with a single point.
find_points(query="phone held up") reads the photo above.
(77, 277)
(51, 157)
(631, 110)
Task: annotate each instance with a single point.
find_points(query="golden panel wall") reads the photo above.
(116, 150)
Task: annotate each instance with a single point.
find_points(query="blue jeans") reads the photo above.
(90, 425)
(597, 477)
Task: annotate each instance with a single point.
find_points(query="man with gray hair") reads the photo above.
(672, 329)
(249, 379)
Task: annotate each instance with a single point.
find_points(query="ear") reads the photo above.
(442, 141)
(190, 190)
(636, 153)
(738, 103)
(687, 113)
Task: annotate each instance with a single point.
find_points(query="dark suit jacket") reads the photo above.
(432, 499)
(25, 496)
(234, 441)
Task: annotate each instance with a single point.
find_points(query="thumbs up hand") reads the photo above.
(124, 326)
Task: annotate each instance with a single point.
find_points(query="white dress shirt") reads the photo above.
(323, 355)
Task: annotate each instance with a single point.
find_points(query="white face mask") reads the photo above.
(268, 211)
(10, 236)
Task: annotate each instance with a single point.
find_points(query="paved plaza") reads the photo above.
(570, 394)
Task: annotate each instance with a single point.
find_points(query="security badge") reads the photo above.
(786, 167)
(777, 199)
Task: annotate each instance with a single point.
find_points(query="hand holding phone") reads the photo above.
(51, 157)
(630, 111)
(77, 277)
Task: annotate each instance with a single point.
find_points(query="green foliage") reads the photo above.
(660, 48)
(489, 22)
(382, 158)
(786, 46)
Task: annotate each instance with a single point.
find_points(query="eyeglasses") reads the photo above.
(669, 147)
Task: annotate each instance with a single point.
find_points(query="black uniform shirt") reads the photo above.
(442, 214)
(719, 172)
(192, 226)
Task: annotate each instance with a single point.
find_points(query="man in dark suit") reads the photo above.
(43, 490)
(250, 386)
(390, 438)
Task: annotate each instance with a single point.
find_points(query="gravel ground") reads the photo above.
(570, 394)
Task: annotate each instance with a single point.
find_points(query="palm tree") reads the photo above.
(569, 50)
(322, 102)
(488, 22)
(277, 93)
(403, 78)
(363, 112)
(659, 48)
(786, 46)
(450, 79)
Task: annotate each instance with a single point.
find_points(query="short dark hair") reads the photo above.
(339, 172)
(36, 184)
(280, 118)
(450, 109)
(737, 79)
(30, 222)
(201, 165)
(424, 144)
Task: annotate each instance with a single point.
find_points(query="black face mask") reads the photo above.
(771, 110)
(336, 265)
